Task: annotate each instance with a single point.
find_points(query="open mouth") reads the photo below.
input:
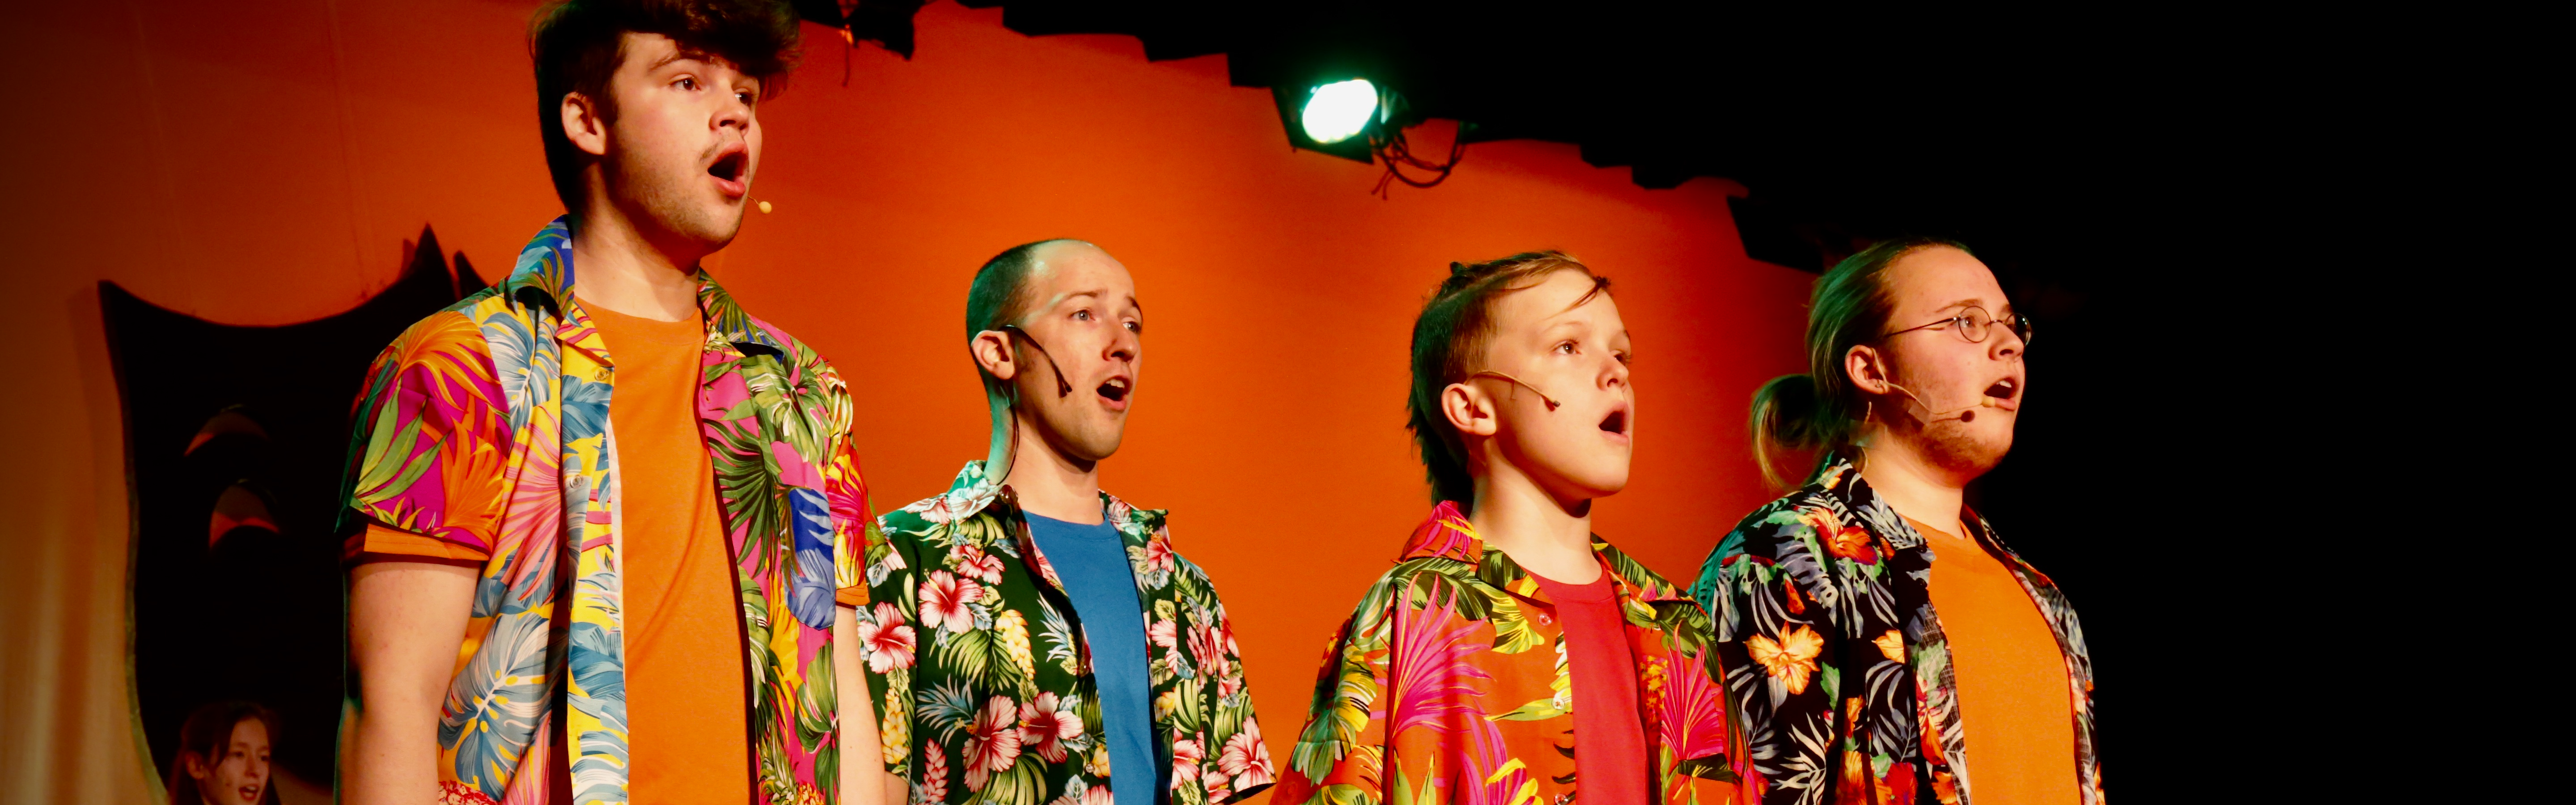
(1616, 422)
(250, 793)
(729, 168)
(1114, 389)
(2004, 394)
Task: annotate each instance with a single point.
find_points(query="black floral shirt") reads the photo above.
(1837, 661)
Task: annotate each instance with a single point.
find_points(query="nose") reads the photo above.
(2006, 345)
(1125, 345)
(1614, 373)
(734, 114)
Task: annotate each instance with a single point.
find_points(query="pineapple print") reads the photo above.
(1014, 631)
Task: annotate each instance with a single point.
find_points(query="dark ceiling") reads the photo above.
(2024, 134)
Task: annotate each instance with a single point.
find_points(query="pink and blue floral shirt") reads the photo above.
(483, 437)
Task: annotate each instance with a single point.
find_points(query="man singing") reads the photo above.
(1511, 656)
(599, 515)
(1029, 638)
(1882, 639)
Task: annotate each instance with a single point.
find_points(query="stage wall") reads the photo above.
(265, 163)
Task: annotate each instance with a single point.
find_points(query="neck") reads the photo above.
(1049, 483)
(1543, 534)
(622, 270)
(1912, 486)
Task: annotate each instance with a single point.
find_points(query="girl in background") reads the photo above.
(223, 756)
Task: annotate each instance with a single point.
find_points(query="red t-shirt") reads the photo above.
(1610, 763)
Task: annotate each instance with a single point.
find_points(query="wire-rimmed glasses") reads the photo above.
(1973, 323)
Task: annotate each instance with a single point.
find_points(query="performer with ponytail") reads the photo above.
(1031, 638)
(1511, 655)
(1882, 639)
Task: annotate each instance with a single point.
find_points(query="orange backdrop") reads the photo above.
(263, 163)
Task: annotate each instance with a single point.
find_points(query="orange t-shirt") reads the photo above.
(688, 735)
(2014, 701)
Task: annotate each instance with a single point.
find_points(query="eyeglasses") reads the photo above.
(1973, 323)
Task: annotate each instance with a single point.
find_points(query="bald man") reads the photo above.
(1030, 638)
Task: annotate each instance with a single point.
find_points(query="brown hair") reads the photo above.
(1820, 409)
(208, 734)
(1450, 333)
(578, 44)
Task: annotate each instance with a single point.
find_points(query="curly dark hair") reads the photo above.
(578, 44)
(1450, 334)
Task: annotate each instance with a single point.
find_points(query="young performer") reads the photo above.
(600, 513)
(1030, 638)
(1511, 656)
(1867, 670)
(224, 756)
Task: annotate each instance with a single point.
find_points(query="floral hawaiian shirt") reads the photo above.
(1448, 685)
(484, 436)
(1822, 605)
(983, 677)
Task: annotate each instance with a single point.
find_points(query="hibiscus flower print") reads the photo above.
(1158, 555)
(1165, 633)
(944, 600)
(973, 561)
(1186, 755)
(1207, 645)
(1892, 645)
(1791, 659)
(1849, 542)
(1246, 760)
(1218, 786)
(888, 640)
(992, 742)
(1045, 726)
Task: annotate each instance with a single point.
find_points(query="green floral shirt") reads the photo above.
(982, 677)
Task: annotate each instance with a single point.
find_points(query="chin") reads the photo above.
(1969, 454)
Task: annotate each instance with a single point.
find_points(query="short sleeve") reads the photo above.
(1339, 756)
(888, 635)
(432, 443)
(855, 528)
(377, 542)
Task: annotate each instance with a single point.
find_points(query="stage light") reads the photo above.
(1340, 110)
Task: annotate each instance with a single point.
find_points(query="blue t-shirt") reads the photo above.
(1092, 562)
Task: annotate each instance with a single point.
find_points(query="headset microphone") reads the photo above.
(1551, 401)
(1062, 388)
(1936, 414)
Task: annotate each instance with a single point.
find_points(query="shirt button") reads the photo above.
(1544, 620)
(601, 375)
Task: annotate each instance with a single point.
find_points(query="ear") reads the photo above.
(992, 350)
(584, 125)
(194, 764)
(1862, 365)
(1469, 409)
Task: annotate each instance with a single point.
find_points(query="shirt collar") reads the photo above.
(1447, 534)
(1838, 477)
(973, 491)
(545, 267)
